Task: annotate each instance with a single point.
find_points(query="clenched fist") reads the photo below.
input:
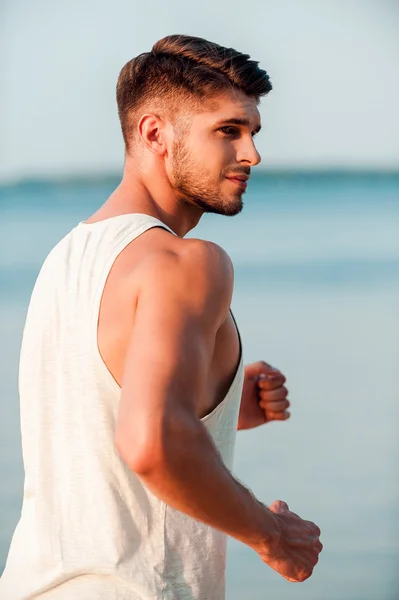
(296, 552)
(264, 396)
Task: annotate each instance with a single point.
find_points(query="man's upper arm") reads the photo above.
(182, 302)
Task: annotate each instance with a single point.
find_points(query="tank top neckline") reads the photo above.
(116, 218)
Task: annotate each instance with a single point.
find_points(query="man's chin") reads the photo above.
(233, 206)
(227, 206)
(228, 209)
(233, 210)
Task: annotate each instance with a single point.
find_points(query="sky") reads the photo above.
(333, 65)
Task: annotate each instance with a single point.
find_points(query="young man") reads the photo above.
(132, 381)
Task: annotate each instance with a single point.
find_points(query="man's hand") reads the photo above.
(264, 397)
(296, 553)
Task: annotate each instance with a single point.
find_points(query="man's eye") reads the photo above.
(229, 130)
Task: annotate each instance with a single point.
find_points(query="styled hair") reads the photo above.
(180, 69)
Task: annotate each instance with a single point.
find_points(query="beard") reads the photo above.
(196, 185)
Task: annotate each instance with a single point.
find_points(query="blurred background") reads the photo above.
(316, 249)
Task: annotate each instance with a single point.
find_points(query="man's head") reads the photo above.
(189, 108)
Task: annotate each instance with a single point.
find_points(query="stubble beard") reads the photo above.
(195, 185)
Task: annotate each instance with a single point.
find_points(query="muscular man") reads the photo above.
(132, 383)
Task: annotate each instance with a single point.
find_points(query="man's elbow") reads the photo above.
(141, 457)
(158, 446)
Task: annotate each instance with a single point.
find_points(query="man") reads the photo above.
(132, 381)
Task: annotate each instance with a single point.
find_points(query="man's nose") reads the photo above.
(248, 153)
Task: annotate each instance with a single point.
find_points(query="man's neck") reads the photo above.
(152, 194)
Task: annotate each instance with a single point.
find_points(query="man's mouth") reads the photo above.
(240, 180)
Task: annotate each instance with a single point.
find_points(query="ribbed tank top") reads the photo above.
(89, 529)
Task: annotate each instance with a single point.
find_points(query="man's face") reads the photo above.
(212, 158)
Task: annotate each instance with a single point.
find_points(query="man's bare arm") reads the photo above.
(182, 304)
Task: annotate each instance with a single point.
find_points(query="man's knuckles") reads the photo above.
(275, 406)
(271, 382)
(279, 393)
(277, 416)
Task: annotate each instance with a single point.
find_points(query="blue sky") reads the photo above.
(333, 64)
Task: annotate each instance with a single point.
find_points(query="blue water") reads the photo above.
(316, 294)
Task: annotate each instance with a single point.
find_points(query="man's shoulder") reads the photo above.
(193, 270)
(191, 258)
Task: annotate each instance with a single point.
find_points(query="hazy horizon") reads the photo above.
(91, 177)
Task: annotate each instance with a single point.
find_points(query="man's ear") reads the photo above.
(151, 131)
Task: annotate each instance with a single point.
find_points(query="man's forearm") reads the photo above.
(192, 478)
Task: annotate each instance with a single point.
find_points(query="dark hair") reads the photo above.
(183, 67)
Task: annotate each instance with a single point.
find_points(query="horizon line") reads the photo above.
(94, 177)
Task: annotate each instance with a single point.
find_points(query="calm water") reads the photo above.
(316, 294)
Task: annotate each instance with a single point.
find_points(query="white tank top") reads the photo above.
(89, 529)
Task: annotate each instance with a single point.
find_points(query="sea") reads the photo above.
(316, 259)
